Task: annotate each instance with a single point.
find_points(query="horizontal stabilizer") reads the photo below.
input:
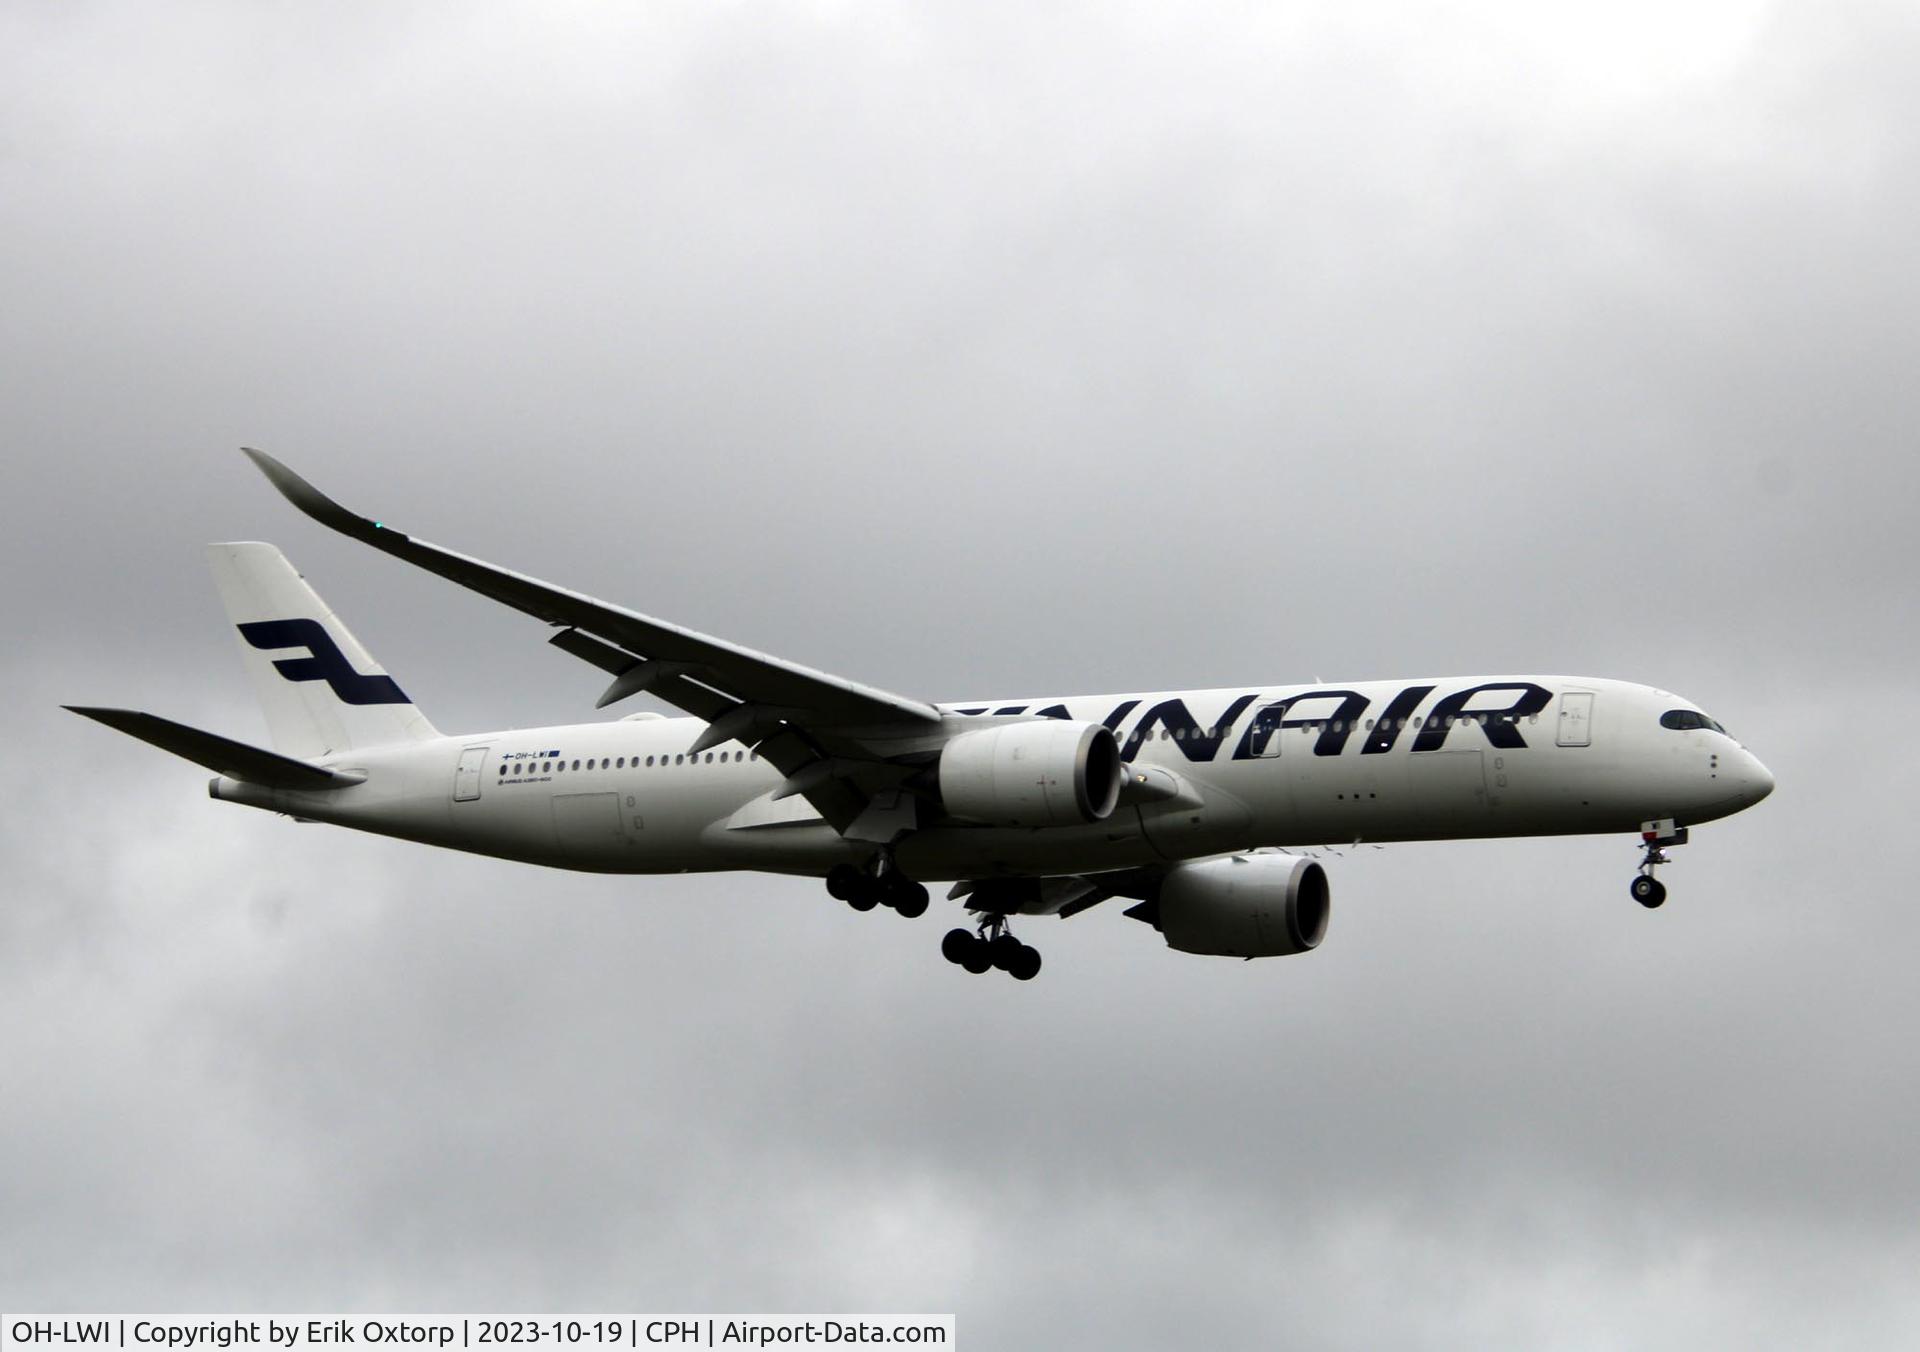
(222, 755)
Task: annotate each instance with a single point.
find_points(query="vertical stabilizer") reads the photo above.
(321, 692)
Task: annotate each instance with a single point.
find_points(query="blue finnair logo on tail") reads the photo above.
(325, 661)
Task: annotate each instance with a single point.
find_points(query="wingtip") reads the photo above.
(113, 718)
(306, 497)
(290, 484)
(277, 474)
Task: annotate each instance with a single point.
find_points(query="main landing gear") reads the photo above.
(880, 884)
(989, 945)
(1648, 890)
(993, 945)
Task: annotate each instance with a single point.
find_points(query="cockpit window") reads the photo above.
(1683, 719)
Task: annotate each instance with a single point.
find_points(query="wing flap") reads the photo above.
(1063, 895)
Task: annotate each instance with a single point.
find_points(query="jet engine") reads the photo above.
(1048, 772)
(1244, 906)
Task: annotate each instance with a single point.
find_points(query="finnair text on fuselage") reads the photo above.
(1338, 713)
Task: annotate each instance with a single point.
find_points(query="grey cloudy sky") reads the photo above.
(971, 350)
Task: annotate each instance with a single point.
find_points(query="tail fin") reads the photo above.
(320, 690)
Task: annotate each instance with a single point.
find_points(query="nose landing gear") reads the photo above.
(993, 945)
(1646, 889)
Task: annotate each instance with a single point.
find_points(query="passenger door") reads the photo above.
(1576, 719)
(466, 777)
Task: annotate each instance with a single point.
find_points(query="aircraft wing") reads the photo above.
(798, 717)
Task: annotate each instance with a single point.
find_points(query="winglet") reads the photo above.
(315, 503)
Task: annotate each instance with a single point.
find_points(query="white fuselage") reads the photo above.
(1445, 758)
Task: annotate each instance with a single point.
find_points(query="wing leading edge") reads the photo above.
(796, 717)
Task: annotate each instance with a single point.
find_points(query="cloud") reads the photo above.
(967, 351)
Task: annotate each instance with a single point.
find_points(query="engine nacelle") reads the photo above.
(1048, 772)
(1246, 906)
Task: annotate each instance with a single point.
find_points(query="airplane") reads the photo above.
(1191, 804)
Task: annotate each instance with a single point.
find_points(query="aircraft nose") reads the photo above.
(1756, 781)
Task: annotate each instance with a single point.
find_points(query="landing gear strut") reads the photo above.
(879, 884)
(1648, 890)
(991, 944)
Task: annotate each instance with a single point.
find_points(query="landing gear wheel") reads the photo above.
(1026, 964)
(865, 894)
(1648, 891)
(957, 944)
(965, 949)
(1005, 950)
(843, 880)
(906, 896)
